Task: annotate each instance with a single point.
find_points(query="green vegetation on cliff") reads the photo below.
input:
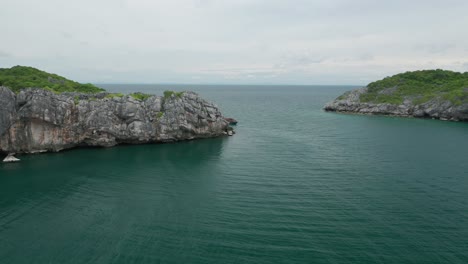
(168, 94)
(419, 86)
(20, 77)
(140, 96)
(115, 95)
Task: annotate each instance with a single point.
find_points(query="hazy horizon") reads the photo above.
(225, 84)
(249, 42)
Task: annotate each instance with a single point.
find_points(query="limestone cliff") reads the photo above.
(437, 108)
(436, 94)
(38, 120)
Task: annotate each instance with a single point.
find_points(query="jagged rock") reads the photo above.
(7, 108)
(437, 108)
(231, 121)
(37, 120)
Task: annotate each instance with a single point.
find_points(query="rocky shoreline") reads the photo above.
(38, 120)
(437, 108)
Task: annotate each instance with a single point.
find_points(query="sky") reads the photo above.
(299, 42)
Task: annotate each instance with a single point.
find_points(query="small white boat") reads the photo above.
(10, 158)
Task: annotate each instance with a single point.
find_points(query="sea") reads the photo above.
(295, 184)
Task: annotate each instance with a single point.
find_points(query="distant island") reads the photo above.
(42, 112)
(436, 94)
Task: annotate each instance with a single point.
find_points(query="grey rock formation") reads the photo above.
(438, 108)
(37, 120)
(7, 108)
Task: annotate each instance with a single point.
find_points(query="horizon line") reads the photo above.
(222, 84)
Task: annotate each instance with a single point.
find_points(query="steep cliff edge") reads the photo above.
(436, 94)
(39, 120)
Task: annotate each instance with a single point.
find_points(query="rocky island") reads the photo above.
(61, 114)
(436, 94)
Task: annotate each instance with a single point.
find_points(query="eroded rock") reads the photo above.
(437, 108)
(37, 120)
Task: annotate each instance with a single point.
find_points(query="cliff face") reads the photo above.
(37, 120)
(436, 108)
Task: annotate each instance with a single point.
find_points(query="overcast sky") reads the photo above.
(234, 41)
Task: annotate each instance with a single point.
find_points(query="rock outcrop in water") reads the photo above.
(435, 94)
(437, 108)
(38, 120)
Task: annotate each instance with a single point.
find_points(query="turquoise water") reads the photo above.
(294, 185)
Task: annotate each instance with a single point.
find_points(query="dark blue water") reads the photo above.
(294, 185)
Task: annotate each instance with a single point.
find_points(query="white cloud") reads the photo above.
(243, 41)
